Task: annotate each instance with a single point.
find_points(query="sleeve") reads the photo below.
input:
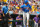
(29, 6)
(22, 6)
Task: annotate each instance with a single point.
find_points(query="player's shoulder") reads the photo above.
(23, 5)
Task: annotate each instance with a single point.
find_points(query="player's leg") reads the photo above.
(27, 14)
(36, 24)
(24, 17)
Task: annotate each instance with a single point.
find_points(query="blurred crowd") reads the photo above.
(13, 6)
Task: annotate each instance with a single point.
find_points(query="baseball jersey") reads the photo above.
(36, 19)
(26, 8)
(18, 23)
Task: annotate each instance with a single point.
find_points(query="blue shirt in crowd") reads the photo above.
(5, 9)
(38, 12)
(26, 8)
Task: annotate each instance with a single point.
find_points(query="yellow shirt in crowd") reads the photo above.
(33, 9)
(4, 0)
(17, 7)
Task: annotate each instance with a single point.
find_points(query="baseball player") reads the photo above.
(26, 7)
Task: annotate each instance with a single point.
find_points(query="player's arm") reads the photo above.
(29, 7)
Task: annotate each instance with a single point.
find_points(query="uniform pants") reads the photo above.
(25, 16)
(35, 24)
(18, 25)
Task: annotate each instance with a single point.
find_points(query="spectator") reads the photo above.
(19, 24)
(5, 0)
(33, 3)
(16, 11)
(5, 8)
(38, 2)
(29, 2)
(38, 12)
(14, 8)
(13, 1)
(39, 8)
(36, 21)
(18, 7)
(20, 11)
(1, 10)
(11, 11)
(16, 3)
(35, 10)
(34, 7)
(10, 5)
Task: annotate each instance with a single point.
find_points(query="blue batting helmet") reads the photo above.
(25, 1)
